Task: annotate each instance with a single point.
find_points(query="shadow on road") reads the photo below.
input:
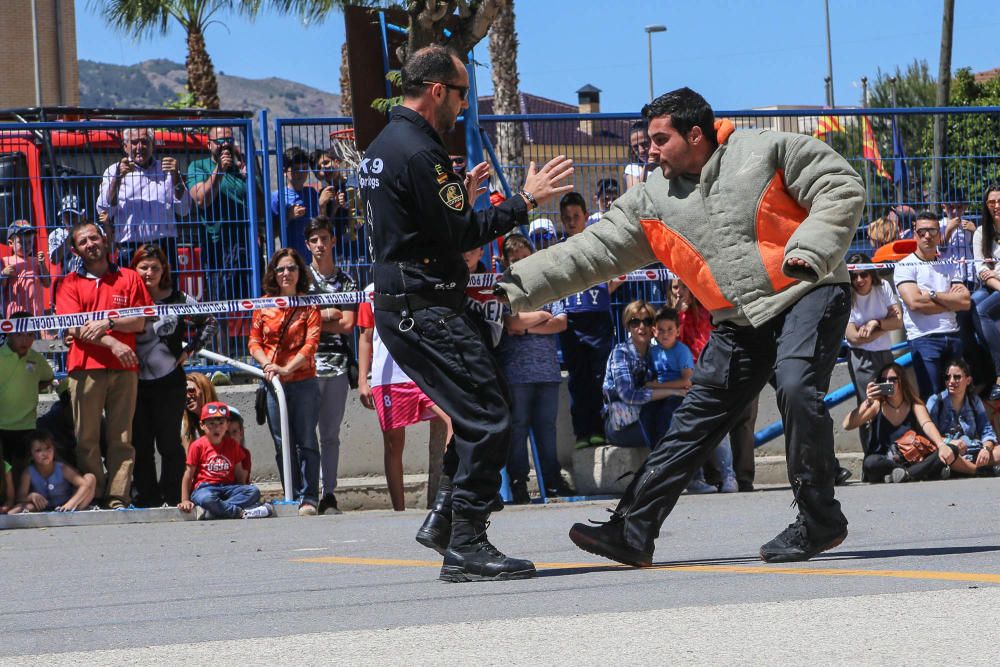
(610, 567)
(897, 553)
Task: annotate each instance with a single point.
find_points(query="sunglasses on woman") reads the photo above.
(635, 322)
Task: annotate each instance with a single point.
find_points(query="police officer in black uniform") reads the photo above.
(420, 219)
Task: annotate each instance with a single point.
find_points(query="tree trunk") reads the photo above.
(201, 74)
(346, 104)
(506, 94)
(943, 90)
(428, 19)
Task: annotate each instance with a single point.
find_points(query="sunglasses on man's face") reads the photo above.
(223, 141)
(927, 231)
(635, 322)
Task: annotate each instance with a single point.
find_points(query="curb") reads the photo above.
(353, 494)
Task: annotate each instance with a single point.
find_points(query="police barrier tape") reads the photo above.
(44, 322)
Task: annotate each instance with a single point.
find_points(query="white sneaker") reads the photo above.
(700, 486)
(259, 512)
(729, 485)
(307, 509)
(202, 514)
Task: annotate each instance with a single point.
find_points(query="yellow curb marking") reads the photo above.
(938, 575)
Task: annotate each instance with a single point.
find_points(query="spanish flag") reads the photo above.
(827, 124)
(869, 149)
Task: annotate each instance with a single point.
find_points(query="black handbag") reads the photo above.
(260, 404)
(260, 398)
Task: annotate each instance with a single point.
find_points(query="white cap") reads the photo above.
(542, 224)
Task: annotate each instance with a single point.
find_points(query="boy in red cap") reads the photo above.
(216, 472)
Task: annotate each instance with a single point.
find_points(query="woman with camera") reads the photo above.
(895, 414)
(874, 313)
(961, 416)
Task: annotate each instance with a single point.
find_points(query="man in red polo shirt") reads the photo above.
(102, 363)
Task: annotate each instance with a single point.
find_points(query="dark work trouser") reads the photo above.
(741, 438)
(586, 365)
(800, 347)
(159, 406)
(445, 356)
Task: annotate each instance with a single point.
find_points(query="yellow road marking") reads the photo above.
(936, 575)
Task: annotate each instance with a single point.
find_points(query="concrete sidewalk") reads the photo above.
(353, 494)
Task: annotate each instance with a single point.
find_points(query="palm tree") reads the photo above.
(426, 19)
(146, 18)
(506, 96)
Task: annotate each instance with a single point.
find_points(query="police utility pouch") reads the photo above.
(914, 448)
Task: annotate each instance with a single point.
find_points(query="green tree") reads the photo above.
(147, 18)
(426, 19)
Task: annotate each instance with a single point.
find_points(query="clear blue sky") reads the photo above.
(737, 53)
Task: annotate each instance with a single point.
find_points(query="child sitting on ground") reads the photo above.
(234, 429)
(51, 485)
(673, 364)
(216, 474)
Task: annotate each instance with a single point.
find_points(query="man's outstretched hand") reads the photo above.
(545, 183)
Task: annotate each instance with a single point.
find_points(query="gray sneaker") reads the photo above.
(259, 512)
(700, 486)
(202, 514)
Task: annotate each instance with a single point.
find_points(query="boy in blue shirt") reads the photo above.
(673, 365)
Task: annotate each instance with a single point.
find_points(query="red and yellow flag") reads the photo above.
(827, 124)
(869, 149)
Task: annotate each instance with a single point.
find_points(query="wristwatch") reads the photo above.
(530, 199)
(932, 294)
(111, 324)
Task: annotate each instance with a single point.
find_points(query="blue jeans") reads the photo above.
(302, 398)
(722, 460)
(930, 354)
(654, 421)
(534, 406)
(226, 500)
(987, 305)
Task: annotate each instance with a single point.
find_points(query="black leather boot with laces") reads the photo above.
(471, 557)
(798, 542)
(435, 533)
(610, 540)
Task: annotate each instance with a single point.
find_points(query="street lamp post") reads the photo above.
(650, 29)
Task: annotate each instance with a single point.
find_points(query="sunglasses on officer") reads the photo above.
(463, 91)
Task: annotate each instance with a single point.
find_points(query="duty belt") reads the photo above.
(409, 303)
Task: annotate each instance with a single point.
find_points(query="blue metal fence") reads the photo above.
(212, 246)
(218, 249)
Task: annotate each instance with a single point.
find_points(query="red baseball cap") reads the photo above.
(214, 410)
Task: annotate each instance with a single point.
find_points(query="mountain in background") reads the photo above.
(154, 83)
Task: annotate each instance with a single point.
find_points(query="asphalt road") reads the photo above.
(916, 582)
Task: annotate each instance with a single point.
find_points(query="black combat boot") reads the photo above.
(471, 557)
(435, 533)
(611, 540)
(820, 526)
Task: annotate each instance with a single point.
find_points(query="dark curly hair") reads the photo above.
(270, 282)
(687, 109)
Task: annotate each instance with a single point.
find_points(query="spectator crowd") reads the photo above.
(126, 396)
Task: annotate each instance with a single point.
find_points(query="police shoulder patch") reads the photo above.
(453, 196)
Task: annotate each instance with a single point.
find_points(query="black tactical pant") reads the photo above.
(800, 348)
(444, 354)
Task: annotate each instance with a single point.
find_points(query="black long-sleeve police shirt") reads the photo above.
(419, 215)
